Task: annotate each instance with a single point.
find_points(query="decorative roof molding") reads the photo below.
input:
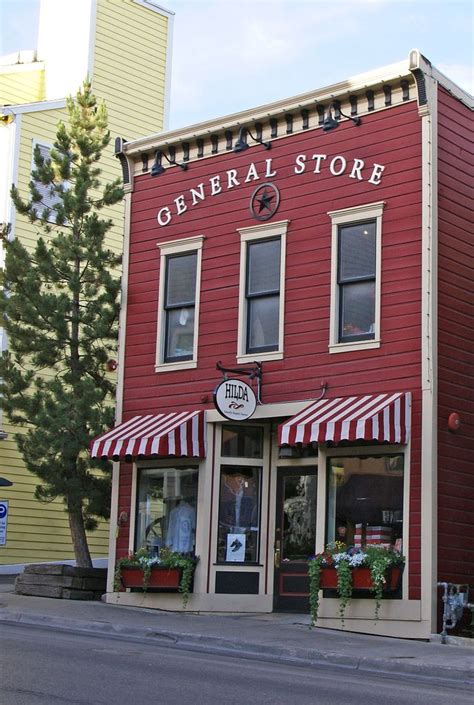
(263, 112)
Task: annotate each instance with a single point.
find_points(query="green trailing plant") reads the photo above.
(314, 573)
(143, 560)
(379, 559)
(344, 584)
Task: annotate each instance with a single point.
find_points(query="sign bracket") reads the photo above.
(250, 372)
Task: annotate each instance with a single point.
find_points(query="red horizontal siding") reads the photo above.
(455, 349)
(391, 138)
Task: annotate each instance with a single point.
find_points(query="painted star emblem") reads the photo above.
(264, 202)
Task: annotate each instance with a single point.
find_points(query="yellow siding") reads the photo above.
(129, 74)
(21, 85)
(130, 60)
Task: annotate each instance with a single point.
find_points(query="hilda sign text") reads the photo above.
(235, 400)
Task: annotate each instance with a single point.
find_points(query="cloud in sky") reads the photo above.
(229, 55)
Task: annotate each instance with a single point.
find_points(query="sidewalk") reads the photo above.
(276, 637)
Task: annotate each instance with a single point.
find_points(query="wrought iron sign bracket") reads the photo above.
(250, 372)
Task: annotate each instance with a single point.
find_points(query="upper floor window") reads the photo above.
(179, 304)
(356, 281)
(356, 269)
(262, 290)
(49, 197)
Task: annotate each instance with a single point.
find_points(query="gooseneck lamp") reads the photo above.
(241, 145)
(158, 167)
(330, 122)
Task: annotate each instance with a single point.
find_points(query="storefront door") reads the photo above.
(295, 536)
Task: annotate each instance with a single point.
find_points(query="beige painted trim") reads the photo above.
(250, 235)
(265, 411)
(113, 526)
(263, 463)
(429, 333)
(354, 214)
(123, 309)
(187, 245)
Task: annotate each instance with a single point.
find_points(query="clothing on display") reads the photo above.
(181, 528)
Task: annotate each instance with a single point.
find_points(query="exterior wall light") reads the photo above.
(241, 144)
(5, 483)
(330, 122)
(158, 168)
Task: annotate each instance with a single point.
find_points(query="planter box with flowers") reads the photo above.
(170, 572)
(375, 568)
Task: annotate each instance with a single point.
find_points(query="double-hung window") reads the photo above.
(355, 288)
(261, 303)
(179, 304)
(49, 197)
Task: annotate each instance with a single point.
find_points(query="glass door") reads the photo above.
(295, 537)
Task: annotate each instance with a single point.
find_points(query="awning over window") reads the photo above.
(374, 417)
(178, 433)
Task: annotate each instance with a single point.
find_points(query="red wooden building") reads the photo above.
(320, 250)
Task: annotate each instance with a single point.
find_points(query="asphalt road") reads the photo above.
(43, 667)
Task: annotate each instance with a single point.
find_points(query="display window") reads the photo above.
(365, 500)
(166, 509)
(239, 514)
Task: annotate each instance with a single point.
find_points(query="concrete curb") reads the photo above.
(245, 649)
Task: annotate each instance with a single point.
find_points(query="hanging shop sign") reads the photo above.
(235, 400)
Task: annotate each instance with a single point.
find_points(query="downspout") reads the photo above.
(427, 93)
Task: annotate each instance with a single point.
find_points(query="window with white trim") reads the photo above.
(355, 285)
(49, 197)
(262, 290)
(178, 313)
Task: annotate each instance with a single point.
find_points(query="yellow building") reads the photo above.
(124, 46)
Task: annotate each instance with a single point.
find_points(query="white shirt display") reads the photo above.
(181, 528)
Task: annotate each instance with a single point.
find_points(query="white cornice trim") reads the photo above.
(155, 7)
(416, 60)
(262, 112)
(22, 68)
(34, 107)
(453, 88)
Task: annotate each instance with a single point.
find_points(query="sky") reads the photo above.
(230, 55)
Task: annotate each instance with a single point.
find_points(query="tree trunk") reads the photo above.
(79, 539)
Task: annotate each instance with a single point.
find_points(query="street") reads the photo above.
(44, 667)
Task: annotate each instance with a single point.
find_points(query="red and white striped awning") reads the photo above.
(374, 417)
(178, 433)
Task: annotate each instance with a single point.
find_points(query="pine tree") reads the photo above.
(60, 306)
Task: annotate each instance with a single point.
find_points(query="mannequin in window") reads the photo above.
(181, 528)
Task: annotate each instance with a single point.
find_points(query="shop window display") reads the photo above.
(166, 509)
(365, 500)
(239, 514)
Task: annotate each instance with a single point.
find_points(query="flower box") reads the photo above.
(161, 578)
(361, 578)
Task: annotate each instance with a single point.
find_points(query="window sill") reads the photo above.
(241, 564)
(357, 345)
(259, 357)
(173, 366)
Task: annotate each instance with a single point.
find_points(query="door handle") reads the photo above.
(277, 555)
